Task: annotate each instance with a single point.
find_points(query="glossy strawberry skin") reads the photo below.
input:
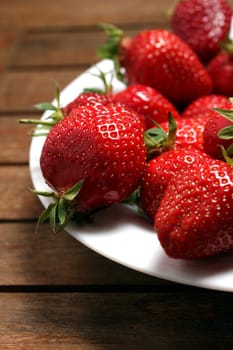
(159, 59)
(189, 133)
(220, 69)
(211, 140)
(202, 24)
(92, 98)
(203, 104)
(148, 102)
(158, 173)
(103, 145)
(194, 219)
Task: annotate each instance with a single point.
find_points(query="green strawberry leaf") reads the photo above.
(43, 126)
(111, 48)
(133, 198)
(226, 156)
(70, 194)
(43, 193)
(230, 150)
(53, 217)
(114, 36)
(45, 106)
(157, 140)
(226, 113)
(61, 211)
(227, 45)
(226, 133)
(44, 216)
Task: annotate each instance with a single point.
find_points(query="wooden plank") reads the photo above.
(51, 13)
(77, 46)
(28, 258)
(8, 40)
(17, 202)
(21, 90)
(116, 321)
(15, 140)
(58, 48)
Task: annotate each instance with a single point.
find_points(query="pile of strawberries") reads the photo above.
(165, 140)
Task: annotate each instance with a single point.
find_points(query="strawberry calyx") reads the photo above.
(157, 140)
(227, 46)
(44, 125)
(62, 209)
(226, 133)
(111, 48)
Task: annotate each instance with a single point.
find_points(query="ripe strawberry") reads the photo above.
(158, 173)
(214, 128)
(161, 60)
(204, 104)
(220, 69)
(189, 132)
(86, 98)
(100, 146)
(148, 102)
(195, 219)
(202, 24)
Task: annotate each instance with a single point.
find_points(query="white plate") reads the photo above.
(124, 237)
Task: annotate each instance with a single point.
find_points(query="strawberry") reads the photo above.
(189, 132)
(92, 96)
(86, 98)
(161, 60)
(202, 24)
(158, 173)
(195, 219)
(220, 69)
(148, 102)
(218, 133)
(99, 147)
(204, 104)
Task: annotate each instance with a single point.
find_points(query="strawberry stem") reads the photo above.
(226, 156)
(157, 140)
(107, 90)
(53, 119)
(111, 47)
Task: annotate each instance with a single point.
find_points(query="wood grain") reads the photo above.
(64, 48)
(116, 321)
(16, 201)
(55, 293)
(21, 90)
(15, 140)
(51, 13)
(34, 259)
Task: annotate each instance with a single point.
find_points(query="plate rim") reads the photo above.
(36, 176)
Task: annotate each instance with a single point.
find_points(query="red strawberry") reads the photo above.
(103, 146)
(148, 102)
(161, 60)
(220, 69)
(212, 141)
(86, 98)
(189, 132)
(202, 24)
(195, 219)
(204, 104)
(158, 173)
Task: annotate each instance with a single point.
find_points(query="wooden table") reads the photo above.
(56, 293)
